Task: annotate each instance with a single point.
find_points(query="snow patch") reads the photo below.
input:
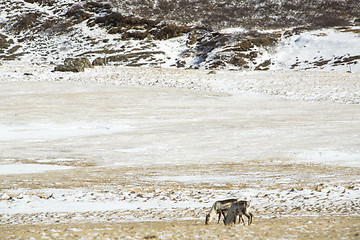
(52, 131)
(322, 47)
(11, 169)
(330, 157)
(233, 30)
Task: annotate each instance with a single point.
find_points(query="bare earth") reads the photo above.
(148, 162)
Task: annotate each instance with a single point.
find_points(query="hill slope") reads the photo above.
(248, 35)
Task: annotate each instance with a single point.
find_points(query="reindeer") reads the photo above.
(219, 208)
(238, 208)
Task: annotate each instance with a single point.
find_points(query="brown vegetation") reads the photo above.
(26, 21)
(169, 31)
(249, 14)
(77, 14)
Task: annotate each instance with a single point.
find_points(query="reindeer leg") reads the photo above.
(224, 214)
(249, 216)
(241, 219)
(229, 218)
(227, 214)
(219, 216)
(235, 216)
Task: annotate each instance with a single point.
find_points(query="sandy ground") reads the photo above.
(186, 148)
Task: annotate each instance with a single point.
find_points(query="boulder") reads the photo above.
(74, 65)
(99, 62)
(180, 63)
(357, 22)
(81, 62)
(264, 66)
(67, 68)
(4, 43)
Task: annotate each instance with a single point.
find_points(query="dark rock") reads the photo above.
(192, 38)
(74, 65)
(217, 65)
(67, 68)
(238, 61)
(81, 62)
(357, 22)
(263, 66)
(133, 56)
(180, 64)
(4, 43)
(118, 58)
(99, 62)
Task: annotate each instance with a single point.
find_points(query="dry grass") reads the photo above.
(263, 228)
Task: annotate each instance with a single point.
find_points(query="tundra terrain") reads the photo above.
(135, 153)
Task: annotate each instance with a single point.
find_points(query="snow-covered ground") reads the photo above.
(132, 144)
(320, 50)
(333, 200)
(341, 87)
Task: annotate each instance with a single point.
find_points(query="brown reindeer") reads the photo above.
(220, 208)
(238, 208)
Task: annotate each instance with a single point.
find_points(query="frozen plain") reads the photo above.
(120, 144)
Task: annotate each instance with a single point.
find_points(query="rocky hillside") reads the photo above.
(249, 14)
(237, 34)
